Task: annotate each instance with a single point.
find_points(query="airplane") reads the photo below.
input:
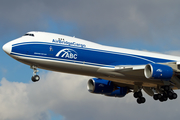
(116, 71)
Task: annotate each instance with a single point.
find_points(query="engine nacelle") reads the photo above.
(120, 92)
(100, 86)
(158, 71)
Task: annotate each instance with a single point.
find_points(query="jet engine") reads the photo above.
(120, 92)
(158, 71)
(101, 86)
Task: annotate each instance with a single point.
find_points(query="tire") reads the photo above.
(161, 99)
(135, 95)
(171, 98)
(143, 100)
(35, 78)
(155, 97)
(32, 78)
(159, 96)
(139, 94)
(139, 101)
(169, 94)
(174, 96)
(165, 95)
(164, 98)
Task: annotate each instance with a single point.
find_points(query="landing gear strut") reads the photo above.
(166, 92)
(35, 77)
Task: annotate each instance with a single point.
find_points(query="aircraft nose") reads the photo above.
(7, 48)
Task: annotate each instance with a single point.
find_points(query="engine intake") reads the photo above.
(158, 71)
(99, 86)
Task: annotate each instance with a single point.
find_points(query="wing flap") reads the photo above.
(129, 68)
(124, 70)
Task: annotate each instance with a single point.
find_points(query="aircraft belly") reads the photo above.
(60, 66)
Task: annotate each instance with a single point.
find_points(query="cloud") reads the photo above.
(96, 19)
(21, 101)
(15, 104)
(67, 95)
(174, 52)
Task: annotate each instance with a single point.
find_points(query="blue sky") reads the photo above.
(18, 69)
(142, 25)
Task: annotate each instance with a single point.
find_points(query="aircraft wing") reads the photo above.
(137, 70)
(131, 70)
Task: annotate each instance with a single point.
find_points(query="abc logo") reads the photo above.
(67, 53)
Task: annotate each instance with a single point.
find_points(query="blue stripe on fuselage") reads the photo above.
(86, 55)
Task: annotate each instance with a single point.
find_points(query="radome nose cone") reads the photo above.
(7, 48)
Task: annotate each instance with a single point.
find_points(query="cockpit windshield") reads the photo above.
(28, 34)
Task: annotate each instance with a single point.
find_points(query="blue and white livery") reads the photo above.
(117, 71)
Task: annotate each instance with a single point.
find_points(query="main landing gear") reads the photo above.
(35, 77)
(163, 93)
(166, 92)
(139, 96)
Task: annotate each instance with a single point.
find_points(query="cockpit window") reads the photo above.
(27, 34)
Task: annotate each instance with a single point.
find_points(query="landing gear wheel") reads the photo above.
(35, 78)
(138, 94)
(171, 98)
(155, 97)
(170, 94)
(165, 95)
(161, 99)
(141, 100)
(174, 96)
(164, 98)
(159, 96)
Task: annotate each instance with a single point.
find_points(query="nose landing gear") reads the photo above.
(35, 77)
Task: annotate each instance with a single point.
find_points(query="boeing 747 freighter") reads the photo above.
(116, 71)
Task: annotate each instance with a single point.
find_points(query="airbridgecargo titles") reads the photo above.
(60, 41)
